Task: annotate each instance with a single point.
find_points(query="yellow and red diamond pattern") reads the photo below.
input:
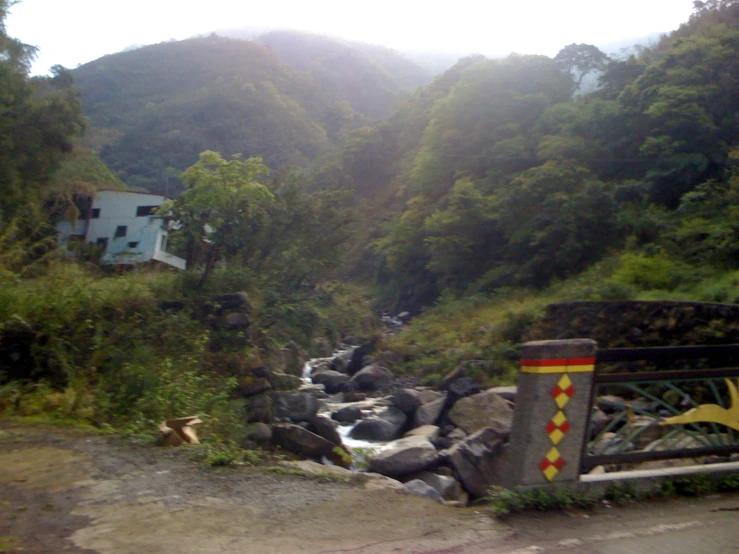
(557, 428)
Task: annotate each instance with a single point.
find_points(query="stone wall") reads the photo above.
(636, 324)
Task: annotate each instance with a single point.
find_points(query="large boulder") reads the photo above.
(372, 377)
(406, 400)
(332, 380)
(403, 457)
(250, 385)
(301, 441)
(476, 461)
(384, 427)
(481, 410)
(461, 388)
(348, 415)
(295, 406)
(428, 413)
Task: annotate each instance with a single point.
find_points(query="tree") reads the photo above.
(216, 209)
(579, 60)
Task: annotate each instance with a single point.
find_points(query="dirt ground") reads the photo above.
(64, 491)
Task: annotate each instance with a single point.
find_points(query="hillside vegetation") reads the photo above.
(497, 175)
(286, 99)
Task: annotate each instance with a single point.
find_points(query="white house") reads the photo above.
(125, 225)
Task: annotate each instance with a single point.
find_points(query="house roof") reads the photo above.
(136, 192)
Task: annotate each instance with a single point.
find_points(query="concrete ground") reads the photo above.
(62, 491)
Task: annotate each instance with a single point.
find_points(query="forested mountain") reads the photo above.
(497, 175)
(372, 79)
(154, 109)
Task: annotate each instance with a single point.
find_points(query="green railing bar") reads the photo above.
(645, 394)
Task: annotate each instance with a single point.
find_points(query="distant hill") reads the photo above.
(286, 98)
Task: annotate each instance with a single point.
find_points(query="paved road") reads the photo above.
(708, 525)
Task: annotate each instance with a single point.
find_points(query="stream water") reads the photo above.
(369, 406)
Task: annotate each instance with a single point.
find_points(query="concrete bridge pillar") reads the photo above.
(551, 414)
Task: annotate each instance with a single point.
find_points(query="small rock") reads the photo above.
(419, 488)
(448, 487)
(259, 432)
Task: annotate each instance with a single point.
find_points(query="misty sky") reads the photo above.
(70, 32)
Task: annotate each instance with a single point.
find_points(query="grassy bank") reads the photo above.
(484, 331)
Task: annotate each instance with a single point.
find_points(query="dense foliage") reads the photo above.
(501, 174)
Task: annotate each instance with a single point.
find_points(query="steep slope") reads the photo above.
(495, 176)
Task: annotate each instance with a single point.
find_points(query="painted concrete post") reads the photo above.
(551, 413)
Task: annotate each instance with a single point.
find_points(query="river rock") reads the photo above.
(259, 408)
(403, 457)
(332, 380)
(323, 347)
(506, 393)
(419, 488)
(372, 377)
(324, 427)
(479, 411)
(448, 487)
(429, 431)
(428, 414)
(476, 461)
(598, 421)
(386, 426)
(348, 415)
(296, 407)
(357, 360)
(320, 365)
(301, 441)
(406, 400)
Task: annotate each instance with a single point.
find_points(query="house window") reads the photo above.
(163, 243)
(102, 241)
(120, 231)
(95, 213)
(133, 244)
(146, 210)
